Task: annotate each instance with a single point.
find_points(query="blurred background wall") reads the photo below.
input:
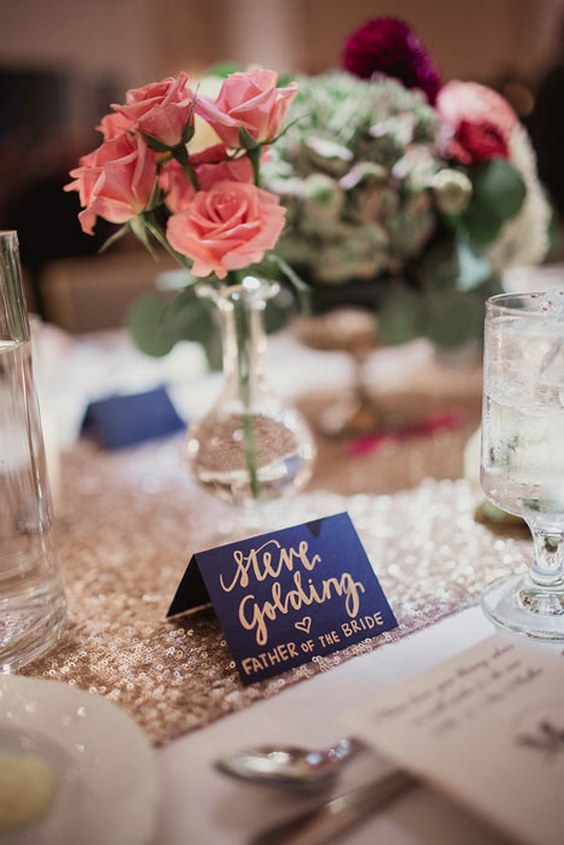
(63, 61)
(132, 41)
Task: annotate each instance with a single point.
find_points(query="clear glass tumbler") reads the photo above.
(32, 603)
(522, 466)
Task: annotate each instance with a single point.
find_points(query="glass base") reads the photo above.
(522, 606)
(29, 630)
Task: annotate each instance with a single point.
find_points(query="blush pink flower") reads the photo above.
(214, 165)
(177, 187)
(160, 109)
(210, 166)
(251, 101)
(115, 181)
(481, 121)
(226, 228)
(114, 124)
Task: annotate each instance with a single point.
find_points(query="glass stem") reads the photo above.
(548, 566)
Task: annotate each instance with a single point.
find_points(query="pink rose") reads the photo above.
(160, 109)
(214, 165)
(210, 166)
(115, 181)
(463, 104)
(249, 100)
(114, 124)
(226, 228)
(178, 189)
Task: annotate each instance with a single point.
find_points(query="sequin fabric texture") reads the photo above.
(132, 520)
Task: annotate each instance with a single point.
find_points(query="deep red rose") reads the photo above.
(390, 47)
(476, 142)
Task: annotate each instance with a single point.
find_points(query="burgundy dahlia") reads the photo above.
(389, 46)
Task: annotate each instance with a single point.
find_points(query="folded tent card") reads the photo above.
(288, 596)
(119, 421)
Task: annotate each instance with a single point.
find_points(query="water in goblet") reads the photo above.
(523, 451)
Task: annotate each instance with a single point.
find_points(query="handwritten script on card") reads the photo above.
(488, 727)
(285, 597)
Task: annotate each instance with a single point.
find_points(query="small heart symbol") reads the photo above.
(304, 625)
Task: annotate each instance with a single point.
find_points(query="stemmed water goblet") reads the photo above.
(522, 465)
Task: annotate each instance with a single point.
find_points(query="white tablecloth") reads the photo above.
(199, 805)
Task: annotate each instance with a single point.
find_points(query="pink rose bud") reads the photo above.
(227, 228)
(115, 181)
(249, 101)
(160, 109)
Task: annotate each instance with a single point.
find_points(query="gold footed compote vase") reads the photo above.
(523, 452)
(251, 448)
(356, 410)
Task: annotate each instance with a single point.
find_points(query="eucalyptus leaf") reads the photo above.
(157, 322)
(499, 187)
(144, 320)
(481, 223)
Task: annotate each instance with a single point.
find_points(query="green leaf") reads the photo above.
(222, 69)
(399, 316)
(499, 187)
(481, 224)
(157, 322)
(144, 321)
(451, 318)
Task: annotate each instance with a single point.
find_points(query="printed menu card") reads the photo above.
(486, 726)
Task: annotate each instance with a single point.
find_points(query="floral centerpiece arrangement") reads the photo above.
(405, 196)
(206, 208)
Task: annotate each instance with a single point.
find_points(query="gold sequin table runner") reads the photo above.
(132, 519)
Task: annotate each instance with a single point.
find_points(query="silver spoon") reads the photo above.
(288, 766)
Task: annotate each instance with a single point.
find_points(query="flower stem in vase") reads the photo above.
(250, 448)
(243, 331)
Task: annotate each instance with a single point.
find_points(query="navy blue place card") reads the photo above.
(116, 422)
(285, 597)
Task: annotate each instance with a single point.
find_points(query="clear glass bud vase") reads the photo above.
(251, 447)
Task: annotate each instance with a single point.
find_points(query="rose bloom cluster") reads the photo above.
(219, 219)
